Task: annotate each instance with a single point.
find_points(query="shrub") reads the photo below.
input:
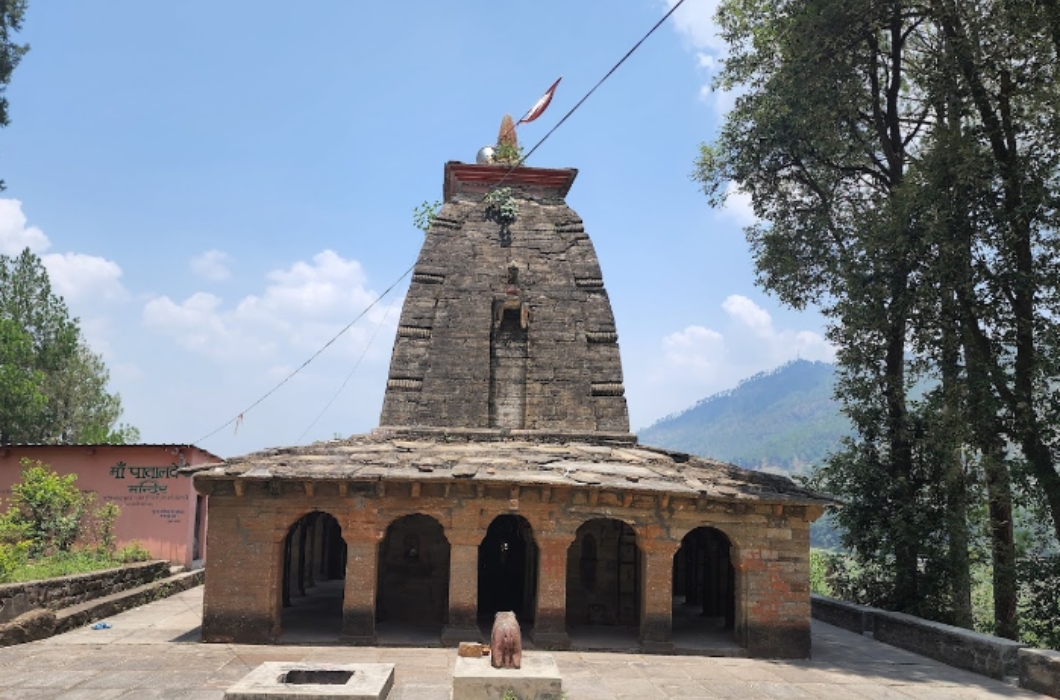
(133, 552)
(12, 557)
(819, 565)
(47, 507)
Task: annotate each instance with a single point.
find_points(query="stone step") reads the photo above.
(94, 610)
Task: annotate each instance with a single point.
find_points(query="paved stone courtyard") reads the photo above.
(153, 652)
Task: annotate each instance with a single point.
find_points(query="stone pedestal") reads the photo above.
(298, 681)
(538, 679)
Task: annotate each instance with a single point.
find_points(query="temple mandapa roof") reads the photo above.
(559, 461)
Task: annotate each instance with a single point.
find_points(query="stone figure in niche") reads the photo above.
(506, 642)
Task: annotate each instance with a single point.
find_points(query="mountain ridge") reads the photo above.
(783, 420)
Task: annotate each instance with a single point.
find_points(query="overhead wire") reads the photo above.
(352, 370)
(238, 419)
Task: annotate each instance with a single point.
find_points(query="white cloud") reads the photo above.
(748, 313)
(697, 349)
(78, 277)
(14, 234)
(695, 21)
(699, 361)
(212, 265)
(302, 307)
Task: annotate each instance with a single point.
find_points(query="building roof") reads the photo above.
(97, 445)
(530, 460)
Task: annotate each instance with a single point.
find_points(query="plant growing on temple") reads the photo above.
(423, 215)
(501, 206)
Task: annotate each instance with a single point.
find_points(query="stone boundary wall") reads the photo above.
(1040, 671)
(66, 591)
(973, 651)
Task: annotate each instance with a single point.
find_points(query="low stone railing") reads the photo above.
(66, 591)
(1037, 669)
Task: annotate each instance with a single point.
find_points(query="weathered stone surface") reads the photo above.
(299, 681)
(471, 650)
(538, 679)
(1040, 671)
(28, 627)
(990, 656)
(507, 326)
(66, 591)
(849, 616)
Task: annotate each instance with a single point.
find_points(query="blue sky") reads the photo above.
(218, 187)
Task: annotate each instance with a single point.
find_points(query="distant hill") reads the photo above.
(784, 421)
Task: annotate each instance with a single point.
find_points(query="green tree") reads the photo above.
(50, 360)
(11, 12)
(21, 400)
(903, 159)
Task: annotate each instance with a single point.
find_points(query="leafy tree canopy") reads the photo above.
(53, 388)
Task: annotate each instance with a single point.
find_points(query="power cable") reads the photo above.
(238, 419)
(586, 97)
(352, 370)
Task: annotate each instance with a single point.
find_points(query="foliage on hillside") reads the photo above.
(785, 420)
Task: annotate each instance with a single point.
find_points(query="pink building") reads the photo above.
(159, 508)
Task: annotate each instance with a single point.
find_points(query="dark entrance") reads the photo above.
(314, 572)
(414, 573)
(507, 569)
(603, 575)
(704, 583)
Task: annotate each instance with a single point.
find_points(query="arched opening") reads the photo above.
(314, 572)
(603, 584)
(413, 579)
(704, 589)
(507, 570)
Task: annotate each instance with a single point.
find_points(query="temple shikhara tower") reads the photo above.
(503, 475)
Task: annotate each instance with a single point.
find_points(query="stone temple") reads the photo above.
(503, 475)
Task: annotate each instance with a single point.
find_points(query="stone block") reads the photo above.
(1040, 671)
(849, 616)
(538, 679)
(981, 653)
(299, 681)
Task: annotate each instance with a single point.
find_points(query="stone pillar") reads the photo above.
(245, 577)
(294, 568)
(362, 578)
(550, 612)
(320, 565)
(656, 594)
(463, 588)
(309, 562)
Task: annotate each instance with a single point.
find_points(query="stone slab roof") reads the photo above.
(557, 462)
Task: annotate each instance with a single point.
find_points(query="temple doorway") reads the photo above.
(314, 573)
(507, 570)
(603, 585)
(413, 590)
(704, 586)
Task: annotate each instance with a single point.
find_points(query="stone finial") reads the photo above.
(507, 150)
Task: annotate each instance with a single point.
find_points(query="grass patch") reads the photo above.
(74, 561)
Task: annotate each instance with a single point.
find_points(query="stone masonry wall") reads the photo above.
(475, 275)
(65, 591)
(770, 550)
